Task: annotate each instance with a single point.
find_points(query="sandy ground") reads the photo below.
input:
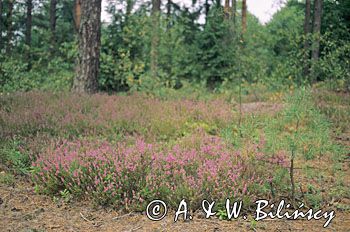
(23, 210)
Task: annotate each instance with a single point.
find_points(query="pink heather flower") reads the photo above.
(170, 158)
(244, 188)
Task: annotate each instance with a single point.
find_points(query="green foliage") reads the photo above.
(285, 43)
(212, 49)
(14, 76)
(301, 128)
(334, 65)
(66, 195)
(18, 160)
(123, 57)
(7, 178)
(336, 107)
(213, 53)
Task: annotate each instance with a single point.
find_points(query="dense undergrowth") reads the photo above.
(127, 150)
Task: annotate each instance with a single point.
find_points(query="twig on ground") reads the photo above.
(125, 215)
(85, 218)
(136, 228)
(92, 222)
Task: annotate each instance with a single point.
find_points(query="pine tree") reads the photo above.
(317, 29)
(1, 24)
(234, 12)
(53, 18)
(9, 27)
(89, 36)
(316, 35)
(28, 39)
(155, 37)
(244, 16)
(307, 31)
(227, 9)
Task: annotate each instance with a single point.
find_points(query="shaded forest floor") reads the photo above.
(21, 209)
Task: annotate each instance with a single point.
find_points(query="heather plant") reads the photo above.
(127, 150)
(197, 167)
(66, 115)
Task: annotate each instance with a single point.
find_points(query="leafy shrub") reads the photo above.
(14, 76)
(15, 158)
(334, 66)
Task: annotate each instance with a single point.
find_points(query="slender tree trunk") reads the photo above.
(155, 37)
(89, 37)
(291, 175)
(307, 31)
(9, 27)
(317, 29)
(53, 9)
(244, 16)
(129, 6)
(234, 12)
(168, 13)
(207, 7)
(1, 23)
(168, 9)
(77, 14)
(227, 9)
(316, 36)
(29, 4)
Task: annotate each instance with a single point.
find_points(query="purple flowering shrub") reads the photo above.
(129, 175)
(68, 115)
(128, 150)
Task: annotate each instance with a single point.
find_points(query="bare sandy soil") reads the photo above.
(23, 210)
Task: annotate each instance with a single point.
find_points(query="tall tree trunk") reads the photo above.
(317, 29)
(77, 14)
(129, 6)
(53, 9)
(1, 23)
(28, 38)
(227, 9)
(9, 27)
(207, 7)
(316, 36)
(89, 37)
(307, 31)
(234, 12)
(155, 37)
(29, 4)
(168, 13)
(244, 16)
